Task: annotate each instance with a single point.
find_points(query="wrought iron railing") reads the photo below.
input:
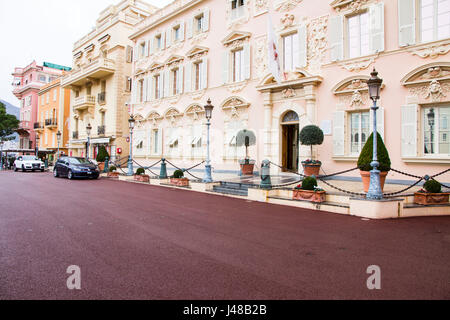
(50, 122)
(75, 135)
(101, 130)
(101, 98)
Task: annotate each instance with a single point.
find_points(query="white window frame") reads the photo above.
(435, 17)
(361, 34)
(239, 9)
(436, 128)
(349, 124)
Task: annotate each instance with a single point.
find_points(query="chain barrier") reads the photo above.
(335, 174)
(443, 185)
(148, 167)
(118, 166)
(342, 190)
(187, 170)
(406, 174)
(391, 194)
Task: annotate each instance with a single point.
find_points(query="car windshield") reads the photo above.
(79, 161)
(30, 158)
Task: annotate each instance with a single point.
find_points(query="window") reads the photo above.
(88, 90)
(142, 49)
(198, 23)
(157, 82)
(42, 78)
(141, 90)
(237, 9)
(290, 48)
(175, 81)
(77, 93)
(158, 40)
(434, 20)
(196, 140)
(359, 131)
(238, 65)
(176, 33)
(436, 122)
(358, 35)
(155, 138)
(198, 75)
(54, 94)
(128, 84)
(47, 97)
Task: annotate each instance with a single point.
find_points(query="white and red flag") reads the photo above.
(273, 53)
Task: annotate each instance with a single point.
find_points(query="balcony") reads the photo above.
(101, 98)
(75, 135)
(38, 126)
(101, 130)
(51, 123)
(96, 69)
(82, 103)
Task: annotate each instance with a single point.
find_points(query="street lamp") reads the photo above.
(374, 84)
(88, 132)
(430, 116)
(131, 122)
(208, 113)
(58, 137)
(37, 145)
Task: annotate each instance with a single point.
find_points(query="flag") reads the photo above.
(273, 56)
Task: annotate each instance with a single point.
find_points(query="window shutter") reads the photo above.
(204, 71)
(301, 54)
(163, 40)
(146, 93)
(376, 26)
(339, 133)
(169, 37)
(166, 83)
(146, 48)
(136, 53)
(188, 79)
(189, 27)
(133, 91)
(161, 84)
(406, 22)
(247, 61)
(182, 31)
(409, 130)
(180, 80)
(150, 91)
(380, 121)
(336, 38)
(205, 26)
(152, 45)
(225, 66)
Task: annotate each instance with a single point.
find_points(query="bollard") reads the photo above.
(265, 175)
(163, 171)
(106, 169)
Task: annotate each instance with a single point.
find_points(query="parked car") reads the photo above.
(75, 167)
(28, 163)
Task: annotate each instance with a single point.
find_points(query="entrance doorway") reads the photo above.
(290, 141)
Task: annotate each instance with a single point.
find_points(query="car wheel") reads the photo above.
(55, 173)
(15, 169)
(42, 170)
(70, 175)
(33, 170)
(23, 168)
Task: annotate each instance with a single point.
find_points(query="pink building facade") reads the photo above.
(27, 82)
(192, 50)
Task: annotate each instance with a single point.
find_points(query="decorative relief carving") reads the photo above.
(356, 100)
(197, 94)
(358, 65)
(199, 38)
(288, 20)
(260, 7)
(260, 57)
(286, 5)
(237, 87)
(432, 51)
(233, 107)
(317, 43)
(433, 91)
(352, 6)
(237, 16)
(288, 93)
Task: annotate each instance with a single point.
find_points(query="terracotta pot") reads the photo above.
(142, 177)
(180, 182)
(101, 166)
(431, 198)
(247, 169)
(365, 176)
(311, 169)
(310, 195)
(113, 174)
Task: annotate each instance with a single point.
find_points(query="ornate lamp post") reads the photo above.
(208, 112)
(37, 145)
(88, 132)
(58, 137)
(430, 116)
(374, 84)
(131, 122)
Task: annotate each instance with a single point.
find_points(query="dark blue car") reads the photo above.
(74, 167)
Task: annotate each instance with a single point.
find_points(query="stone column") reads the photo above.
(267, 125)
(310, 98)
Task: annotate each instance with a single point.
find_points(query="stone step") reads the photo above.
(233, 191)
(234, 185)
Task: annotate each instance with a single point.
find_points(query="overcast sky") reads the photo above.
(44, 30)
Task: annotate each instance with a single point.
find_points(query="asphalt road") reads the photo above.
(134, 241)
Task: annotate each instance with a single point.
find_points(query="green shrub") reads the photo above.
(309, 183)
(178, 174)
(365, 157)
(102, 154)
(432, 186)
(112, 169)
(140, 171)
(311, 135)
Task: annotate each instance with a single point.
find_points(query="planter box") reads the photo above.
(101, 166)
(113, 174)
(142, 177)
(247, 169)
(431, 198)
(310, 195)
(311, 169)
(180, 182)
(365, 177)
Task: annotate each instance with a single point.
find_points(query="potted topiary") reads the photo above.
(112, 172)
(431, 194)
(365, 158)
(141, 176)
(178, 179)
(101, 157)
(308, 190)
(311, 135)
(246, 138)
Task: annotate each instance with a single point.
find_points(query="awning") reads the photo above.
(196, 140)
(173, 141)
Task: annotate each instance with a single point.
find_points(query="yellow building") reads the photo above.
(52, 117)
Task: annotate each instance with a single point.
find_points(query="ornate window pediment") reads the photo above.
(153, 116)
(156, 65)
(236, 36)
(173, 59)
(353, 92)
(195, 111)
(171, 114)
(349, 85)
(195, 51)
(235, 106)
(349, 5)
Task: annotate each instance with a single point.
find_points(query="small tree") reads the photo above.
(311, 135)
(8, 124)
(245, 138)
(140, 171)
(366, 155)
(432, 186)
(177, 174)
(102, 154)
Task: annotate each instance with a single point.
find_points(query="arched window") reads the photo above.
(290, 116)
